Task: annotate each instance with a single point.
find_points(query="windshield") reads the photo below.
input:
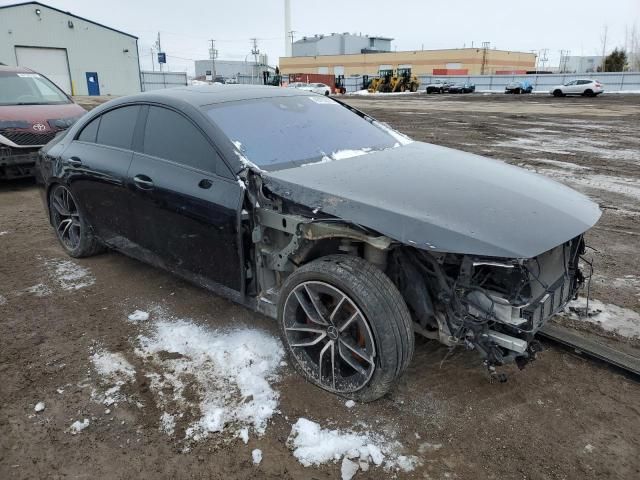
(283, 132)
(29, 89)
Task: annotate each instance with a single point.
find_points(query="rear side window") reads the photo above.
(117, 126)
(171, 136)
(88, 133)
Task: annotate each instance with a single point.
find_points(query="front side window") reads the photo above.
(117, 126)
(29, 89)
(284, 132)
(171, 136)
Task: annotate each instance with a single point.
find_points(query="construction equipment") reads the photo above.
(400, 80)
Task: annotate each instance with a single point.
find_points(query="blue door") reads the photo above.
(92, 83)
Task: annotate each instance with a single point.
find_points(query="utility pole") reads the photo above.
(255, 51)
(213, 54)
(543, 58)
(485, 48)
(291, 33)
(153, 63)
(159, 48)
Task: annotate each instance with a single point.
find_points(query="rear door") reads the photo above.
(186, 201)
(96, 163)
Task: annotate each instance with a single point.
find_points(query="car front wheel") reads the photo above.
(71, 227)
(557, 93)
(345, 327)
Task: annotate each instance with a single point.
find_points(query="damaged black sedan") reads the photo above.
(300, 207)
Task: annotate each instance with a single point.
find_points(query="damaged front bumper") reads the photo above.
(17, 163)
(496, 306)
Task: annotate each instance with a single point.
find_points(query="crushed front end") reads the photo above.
(492, 305)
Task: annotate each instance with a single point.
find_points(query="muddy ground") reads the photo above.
(563, 417)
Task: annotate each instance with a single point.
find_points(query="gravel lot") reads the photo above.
(562, 417)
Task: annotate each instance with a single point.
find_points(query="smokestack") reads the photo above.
(287, 28)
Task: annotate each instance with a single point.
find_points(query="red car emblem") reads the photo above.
(38, 127)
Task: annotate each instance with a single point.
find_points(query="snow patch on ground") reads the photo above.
(115, 371)
(230, 371)
(561, 144)
(4, 232)
(609, 317)
(3, 299)
(113, 366)
(138, 316)
(167, 423)
(69, 275)
(557, 163)
(313, 445)
(39, 290)
(626, 186)
(77, 426)
(256, 455)
(39, 407)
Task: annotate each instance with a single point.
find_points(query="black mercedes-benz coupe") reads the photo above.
(351, 235)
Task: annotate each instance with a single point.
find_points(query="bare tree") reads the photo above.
(633, 48)
(603, 40)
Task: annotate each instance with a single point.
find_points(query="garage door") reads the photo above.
(51, 62)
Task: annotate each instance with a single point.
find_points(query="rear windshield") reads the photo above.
(29, 89)
(283, 132)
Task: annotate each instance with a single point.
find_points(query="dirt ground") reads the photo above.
(563, 417)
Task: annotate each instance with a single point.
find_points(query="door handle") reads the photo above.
(74, 162)
(143, 182)
(205, 183)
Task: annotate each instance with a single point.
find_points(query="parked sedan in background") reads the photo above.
(585, 87)
(462, 88)
(319, 88)
(32, 111)
(439, 86)
(518, 87)
(347, 232)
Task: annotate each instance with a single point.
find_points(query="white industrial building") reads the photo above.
(81, 56)
(340, 44)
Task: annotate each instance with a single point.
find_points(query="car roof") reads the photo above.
(201, 95)
(10, 69)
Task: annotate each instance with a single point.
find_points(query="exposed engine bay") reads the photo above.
(488, 304)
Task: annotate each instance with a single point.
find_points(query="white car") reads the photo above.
(583, 86)
(320, 88)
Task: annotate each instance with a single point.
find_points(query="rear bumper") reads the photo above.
(15, 164)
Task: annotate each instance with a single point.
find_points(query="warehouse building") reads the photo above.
(232, 68)
(81, 56)
(353, 55)
(340, 44)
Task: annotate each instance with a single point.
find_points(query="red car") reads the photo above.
(32, 111)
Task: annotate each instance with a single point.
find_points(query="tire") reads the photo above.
(72, 230)
(360, 307)
(588, 93)
(326, 93)
(558, 93)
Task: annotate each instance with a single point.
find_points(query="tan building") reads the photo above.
(467, 61)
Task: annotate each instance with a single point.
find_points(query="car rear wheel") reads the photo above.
(557, 93)
(71, 228)
(346, 327)
(588, 93)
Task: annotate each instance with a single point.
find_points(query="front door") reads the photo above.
(93, 87)
(185, 211)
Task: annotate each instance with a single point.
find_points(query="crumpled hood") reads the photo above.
(440, 199)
